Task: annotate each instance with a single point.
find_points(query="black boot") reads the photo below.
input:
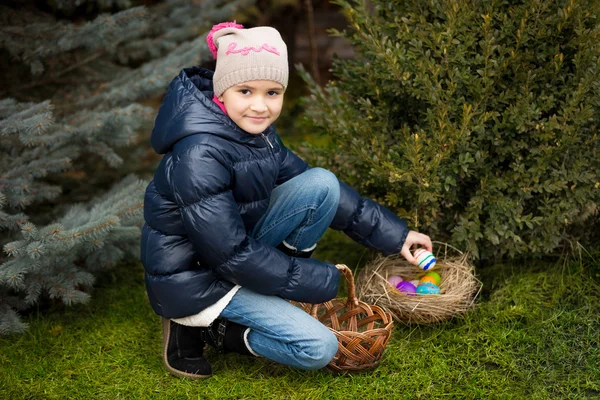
(226, 336)
(183, 351)
(294, 252)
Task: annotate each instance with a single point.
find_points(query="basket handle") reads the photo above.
(352, 299)
(347, 272)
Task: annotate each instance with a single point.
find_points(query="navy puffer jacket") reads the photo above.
(211, 187)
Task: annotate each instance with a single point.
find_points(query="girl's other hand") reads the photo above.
(412, 240)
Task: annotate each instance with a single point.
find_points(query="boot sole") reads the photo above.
(166, 328)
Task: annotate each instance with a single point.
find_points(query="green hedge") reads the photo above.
(476, 121)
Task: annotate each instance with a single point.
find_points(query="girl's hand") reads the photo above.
(412, 239)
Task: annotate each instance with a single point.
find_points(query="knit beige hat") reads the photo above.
(247, 55)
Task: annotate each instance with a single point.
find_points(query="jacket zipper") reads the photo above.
(267, 139)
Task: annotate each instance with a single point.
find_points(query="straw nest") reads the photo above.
(459, 287)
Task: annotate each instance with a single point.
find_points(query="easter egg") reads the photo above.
(394, 280)
(428, 279)
(415, 282)
(428, 288)
(406, 287)
(425, 259)
(436, 276)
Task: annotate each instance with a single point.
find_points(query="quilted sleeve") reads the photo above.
(369, 223)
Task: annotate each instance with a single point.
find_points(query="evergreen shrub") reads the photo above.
(476, 121)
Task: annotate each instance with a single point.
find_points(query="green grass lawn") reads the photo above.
(534, 335)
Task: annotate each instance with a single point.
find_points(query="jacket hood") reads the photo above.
(188, 109)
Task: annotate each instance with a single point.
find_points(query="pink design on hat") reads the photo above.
(232, 49)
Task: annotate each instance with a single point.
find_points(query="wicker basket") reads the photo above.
(459, 287)
(362, 330)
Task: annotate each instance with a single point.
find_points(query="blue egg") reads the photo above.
(428, 288)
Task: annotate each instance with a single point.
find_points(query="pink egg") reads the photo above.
(394, 280)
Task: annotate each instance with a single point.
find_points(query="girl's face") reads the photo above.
(253, 105)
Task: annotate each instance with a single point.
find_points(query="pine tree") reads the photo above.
(76, 76)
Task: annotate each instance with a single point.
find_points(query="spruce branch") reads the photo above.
(71, 5)
(32, 120)
(174, 23)
(12, 274)
(157, 74)
(9, 222)
(15, 248)
(10, 322)
(35, 169)
(53, 259)
(35, 41)
(88, 231)
(54, 78)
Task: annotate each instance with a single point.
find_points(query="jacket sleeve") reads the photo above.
(291, 165)
(368, 222)
(201, 185)
(364, 220)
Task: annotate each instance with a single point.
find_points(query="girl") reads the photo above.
(232, 216)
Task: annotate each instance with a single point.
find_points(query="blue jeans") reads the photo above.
(300, 211)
